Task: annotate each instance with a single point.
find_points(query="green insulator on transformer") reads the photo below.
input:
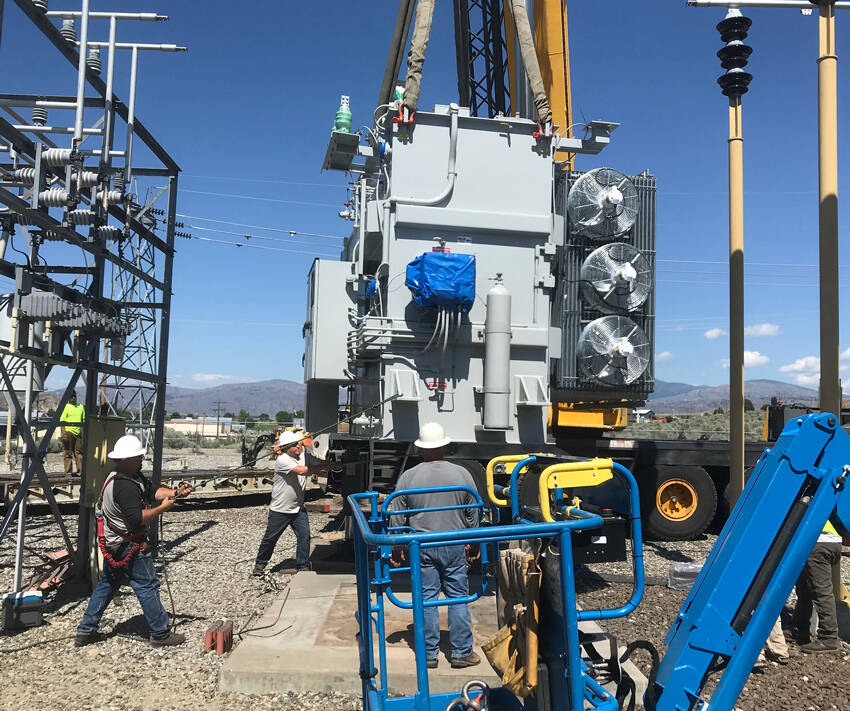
(342, 122)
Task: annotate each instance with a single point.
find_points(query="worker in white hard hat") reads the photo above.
(443, 568)
(287, 504)
(124, 512)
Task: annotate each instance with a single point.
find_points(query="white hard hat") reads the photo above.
(431, 436)
(288, 438)
(126, 447)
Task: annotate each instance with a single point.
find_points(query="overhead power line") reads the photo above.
(302, 251)
(257, 197)
(242, 234)
(259, 227)
(230, 178)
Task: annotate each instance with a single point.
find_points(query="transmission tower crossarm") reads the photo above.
(70, 53)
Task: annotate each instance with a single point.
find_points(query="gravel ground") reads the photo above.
(209, 548)
(806, 683)
(659, 556)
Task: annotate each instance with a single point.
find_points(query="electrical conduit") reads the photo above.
(452, 168)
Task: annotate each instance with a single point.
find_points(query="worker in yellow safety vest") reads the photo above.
(815, 590)
(72, 441)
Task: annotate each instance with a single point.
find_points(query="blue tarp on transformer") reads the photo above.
(442, 280)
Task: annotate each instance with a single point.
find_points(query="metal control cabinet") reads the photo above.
(330, 295)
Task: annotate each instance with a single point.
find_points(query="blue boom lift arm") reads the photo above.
(793, 491)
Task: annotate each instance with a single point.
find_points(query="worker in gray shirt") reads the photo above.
(443, 567)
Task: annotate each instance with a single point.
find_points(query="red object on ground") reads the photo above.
(219, 637)
(224, 643)
(54, 570)
(209, 637)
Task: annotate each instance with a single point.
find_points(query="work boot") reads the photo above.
(470, 660)
(172, 640)
(798, 637)
(81, 639)
(432, 663)
(818, 647)
(778, 658)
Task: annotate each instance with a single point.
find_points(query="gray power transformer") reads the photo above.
(454, 299)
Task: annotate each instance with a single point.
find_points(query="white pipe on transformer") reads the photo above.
(497, 358)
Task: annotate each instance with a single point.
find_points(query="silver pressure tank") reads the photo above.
(497, 358)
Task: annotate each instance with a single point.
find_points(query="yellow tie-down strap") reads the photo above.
(571, 475)
(506, 459)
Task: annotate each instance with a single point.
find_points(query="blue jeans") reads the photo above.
(140, 575)
(444, 568)
(278, 523)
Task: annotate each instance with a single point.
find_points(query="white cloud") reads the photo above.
(762, 329)
(808, 379)
(664, 355)
(754, 358)
(807, 364)
(845, 355)
(714, 333)
(213, 377)
(805, 371)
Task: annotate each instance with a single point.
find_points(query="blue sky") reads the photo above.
(247, 111)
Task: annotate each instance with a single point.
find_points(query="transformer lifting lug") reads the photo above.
(403, 117)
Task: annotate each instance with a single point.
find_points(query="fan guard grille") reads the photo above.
(616, 278)
(602, 204)
(613, 350)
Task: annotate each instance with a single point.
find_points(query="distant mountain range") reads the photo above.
(265, 396)
(684, 398)
(269, 396)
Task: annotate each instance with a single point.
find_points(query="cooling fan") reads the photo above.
(613, 350)
(602, 204)
(616, 278)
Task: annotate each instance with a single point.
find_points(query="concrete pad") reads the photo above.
(309, 644)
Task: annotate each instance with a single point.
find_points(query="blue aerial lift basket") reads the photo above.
(795, 488)
(375, 538)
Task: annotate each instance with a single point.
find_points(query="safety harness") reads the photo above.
(137, 539)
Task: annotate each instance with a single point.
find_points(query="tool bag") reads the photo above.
(512, 651)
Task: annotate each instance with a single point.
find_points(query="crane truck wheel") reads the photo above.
(680, 502)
